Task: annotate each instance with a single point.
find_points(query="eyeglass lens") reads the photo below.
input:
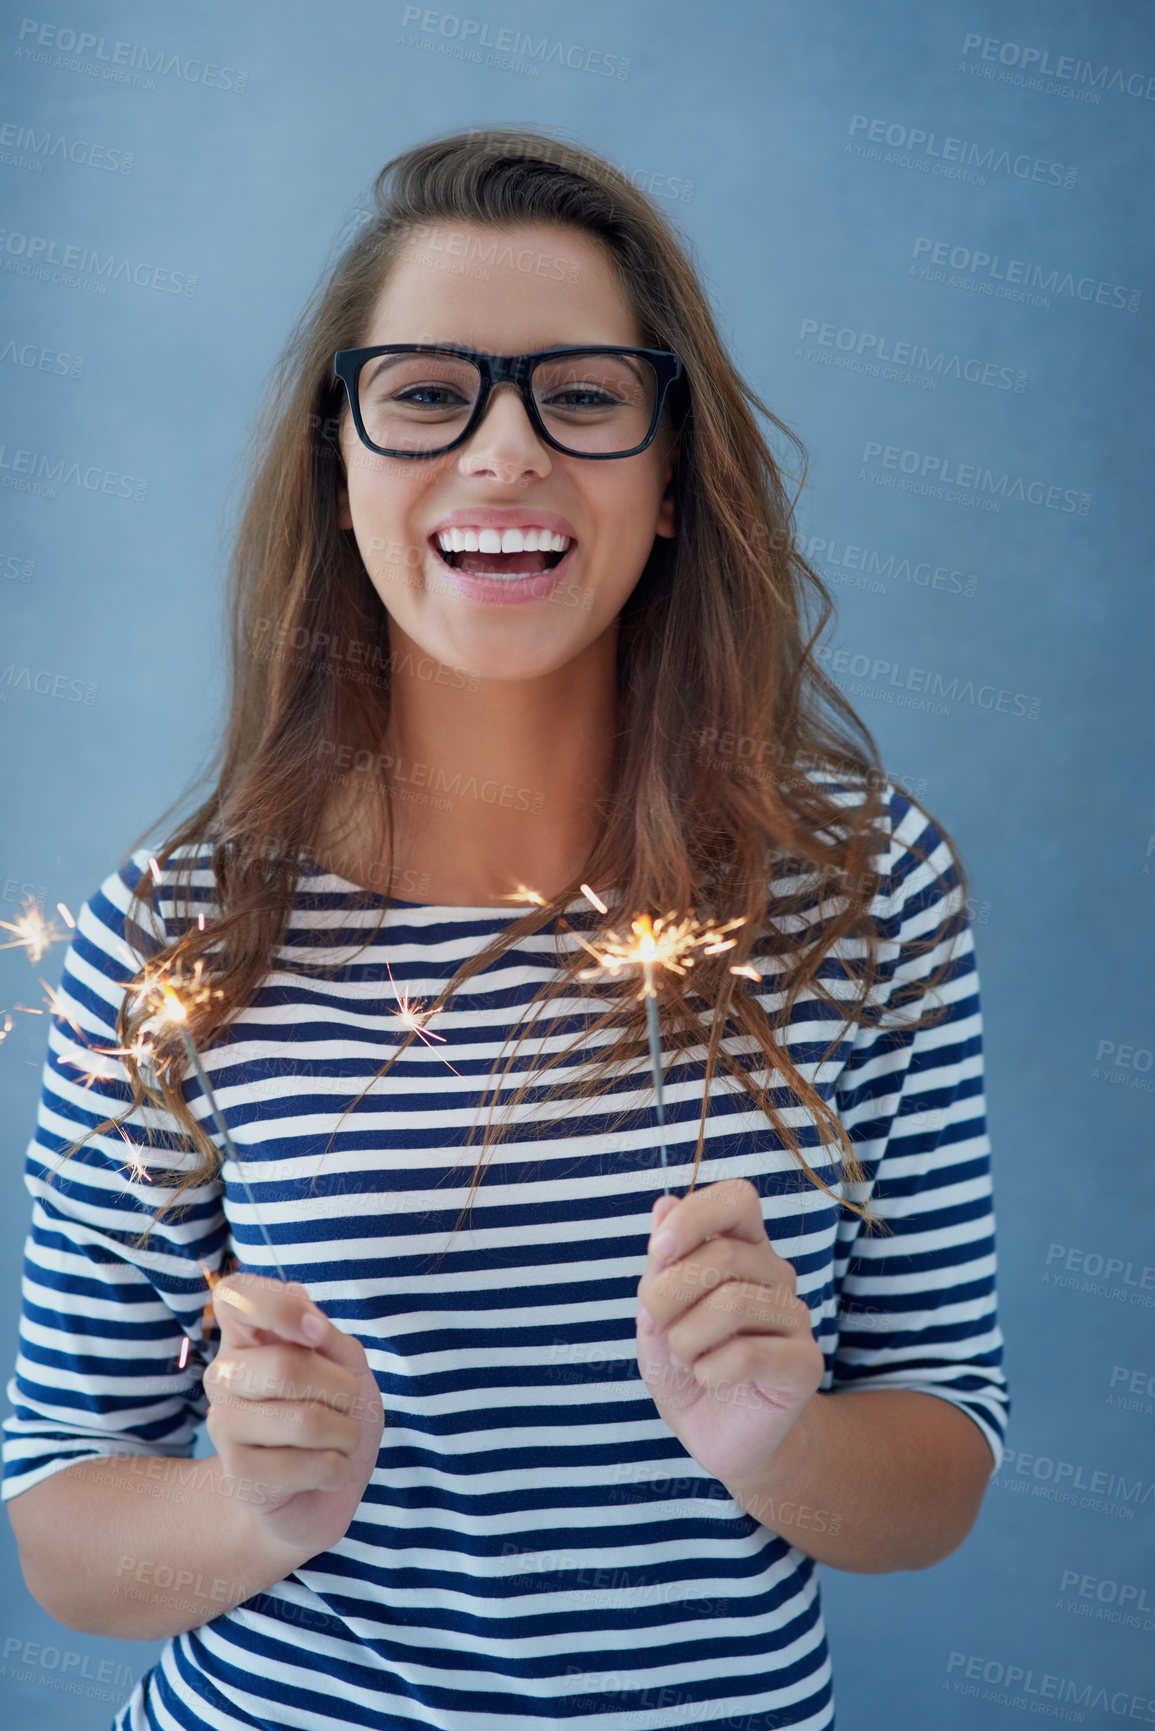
(590, 402)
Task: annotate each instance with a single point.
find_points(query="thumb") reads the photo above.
(661, 1208)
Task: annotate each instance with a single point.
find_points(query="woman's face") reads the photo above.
(541, 286)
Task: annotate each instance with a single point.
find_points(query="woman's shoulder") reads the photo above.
(143, 904)
(911, 849)
(155, 901)
(900, 815)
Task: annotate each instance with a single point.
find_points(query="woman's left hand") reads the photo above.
(724, 1303)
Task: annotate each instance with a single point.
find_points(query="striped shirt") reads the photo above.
(534, 1543)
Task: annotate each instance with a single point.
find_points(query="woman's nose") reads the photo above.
(505, 434)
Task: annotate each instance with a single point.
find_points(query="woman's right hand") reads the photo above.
(300, 1421)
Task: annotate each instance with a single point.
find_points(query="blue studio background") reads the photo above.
(925, 234)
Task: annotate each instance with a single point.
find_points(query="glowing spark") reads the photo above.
(201, 922)
(662, 943)
(173, 994)
(89, 1071)
(591, 895)
(54, 1003)
(522, 894)
(183, 1359)
(33, 932)
(54, 1000)
(154, 869)
(137, 1170)
(140, 1051)
(411, 1015)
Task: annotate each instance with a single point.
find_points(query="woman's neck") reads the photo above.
(492, 790)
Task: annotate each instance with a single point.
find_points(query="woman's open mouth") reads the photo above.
(543, 554)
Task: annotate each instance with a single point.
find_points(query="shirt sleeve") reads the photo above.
(917, 1304)
(100, 1368)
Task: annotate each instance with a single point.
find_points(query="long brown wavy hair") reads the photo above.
(724, 712)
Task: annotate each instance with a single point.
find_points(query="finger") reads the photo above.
(738, 1277)
(278, 1424)
(660, 1210)
(251, 1308)
(285, 1471)
(279, 1372)
(738, 1310)
(774, 1373)
(342, 1349)
(731, 1206)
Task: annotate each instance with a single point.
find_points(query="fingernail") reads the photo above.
(313, 1327)
(645, 1320)
(664, 1246)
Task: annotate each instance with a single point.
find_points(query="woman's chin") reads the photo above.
(501, 650)
(491, 665)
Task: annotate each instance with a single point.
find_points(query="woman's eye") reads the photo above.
(424, 392)
(562, 400)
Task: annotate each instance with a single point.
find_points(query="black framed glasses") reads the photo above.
(423, 399)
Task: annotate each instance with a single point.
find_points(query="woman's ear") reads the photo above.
(665, 523)
(344, 514)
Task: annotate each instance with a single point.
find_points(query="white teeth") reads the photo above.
(503, 541)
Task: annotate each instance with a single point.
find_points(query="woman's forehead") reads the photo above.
(502, 290)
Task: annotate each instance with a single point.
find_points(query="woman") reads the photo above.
(522, 1448)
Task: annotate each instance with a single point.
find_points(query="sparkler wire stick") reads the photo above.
(656, 1067)
(663, 943)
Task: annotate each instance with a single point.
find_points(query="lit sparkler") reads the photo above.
(32, 932)
(663, 944)
(171, 1007)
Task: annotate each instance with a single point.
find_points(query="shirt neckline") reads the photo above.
(315, 869)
